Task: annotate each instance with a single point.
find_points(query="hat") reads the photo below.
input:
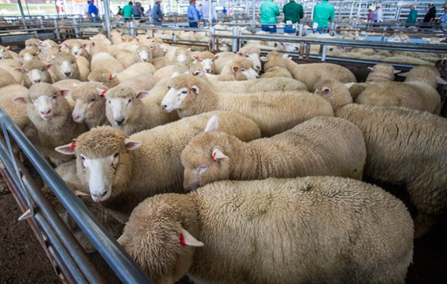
(431, 4)
(372, 7)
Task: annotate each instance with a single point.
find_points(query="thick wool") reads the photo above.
(334, 92)
(273, 113)
(6, 78)
(301, 151)
(59, 130)
(278, 84)
(275, 66)
(95, 114)
(382, 72)
(107, 62)
(302, 230)
(103, 75)
(136, 69)
(310, 74)
(10, 66)
(155, 167)
(143, 82)
(228, 74)
(222, 59)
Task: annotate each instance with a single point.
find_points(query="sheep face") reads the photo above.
(27, 56)
(44, 100)
(93, 100)
(174, 98)
(77, 49)
(66, 67)
(120, 107)
(207, 64)
(35, 75)
(2, 51)
(253, 57)
(144, 55)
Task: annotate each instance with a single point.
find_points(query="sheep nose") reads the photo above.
(164, 106)
(75, 118)
(119, 121)
(258, 68)
(145, 59)
(208, 70)
(46, 112)
(257, 76)
(67, 74)
(37, 81)
(98, 197)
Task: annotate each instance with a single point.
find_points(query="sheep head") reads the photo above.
(89, 99)
(103, 160)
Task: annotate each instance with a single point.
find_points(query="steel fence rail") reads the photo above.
(119, 261)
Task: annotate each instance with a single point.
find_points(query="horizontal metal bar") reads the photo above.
(120, 262)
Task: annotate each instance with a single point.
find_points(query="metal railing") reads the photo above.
(60, 244)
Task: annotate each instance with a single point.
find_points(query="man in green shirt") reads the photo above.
(323, 13)
(269, 12)
(127, 12)
(412, 17)
(293, 12)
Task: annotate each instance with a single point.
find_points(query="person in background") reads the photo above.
(205, 13)
(378, 13)
(224, 11)
(157, 14)
(119, 11)
(293, 12)
(431, 14)
(193, 15)
(149, 11)
(370, 18)
(412, 17)
(127, 11)
(87, 14)
(137, 12)
(443, 20)
(323, 13)
(269, 12)
(92, 10)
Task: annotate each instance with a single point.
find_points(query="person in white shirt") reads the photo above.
(204, 12)
(378, 13)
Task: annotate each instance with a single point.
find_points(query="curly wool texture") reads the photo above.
(405, 147)
(382, 72)
(334, 92)
(311, 230)
(155, 167)
(301, 151)
(278, 84)
(310, 74)
(6, 78)
(273, 113)
(275, 66)
(103, 75)
(136, 69)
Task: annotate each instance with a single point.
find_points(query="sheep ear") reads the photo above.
(405, 74)
(195, 89)
(142, 94)
(49, 65)
(53, 58)
(198, 73)
(18, 70)
(349, 85)
(234, 69)
(212, 124)
(85, 45)
(195, 57)
(186, 239)
(216, 57)
(75, 85)
(175, 74)
(326, 90)
(371, 68)
(219, 155)
(440, 81)
(112, 76)
(263, 58)
(397, 71)
(19, 100)
(68, 149)
(132, 144)
(65, 92)
(101, 92)
(239, 53)
(7, 48)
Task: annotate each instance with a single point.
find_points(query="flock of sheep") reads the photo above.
(272, 161)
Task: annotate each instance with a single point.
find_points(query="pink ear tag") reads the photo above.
(73, 145)
(182, 240)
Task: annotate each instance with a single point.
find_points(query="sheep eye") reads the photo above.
(93, 100)
(110, 102)
(82, 157)
(169, 87)
(242, 69)
(116, 155)
(130, 100)
(247, 55)
(184, 92)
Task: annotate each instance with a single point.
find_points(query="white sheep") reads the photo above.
(302, 230)
(275, 66)
(29, 54)
(35, 72)
(238, 69)
(301, 151)
(274, 113)
(136, 69)
(50, 113)
(65, 67)
(249, 52)
(206, 59)
(122, 171)
(5, 53)
(106, 61)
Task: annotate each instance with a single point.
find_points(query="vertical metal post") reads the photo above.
(107, 17)
(352, 10)
(323, 53)
(27, 7)
(358, 11)
(234, 42)
(300, 29)
(41, 22)
(56, 27)
(19, 3)
(209, 13)
(76, 28)
(253, 8)
(132, 28)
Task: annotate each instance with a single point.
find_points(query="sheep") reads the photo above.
(29, 54)
(50, 112)
(126, 57)
(221, 59)
(327, 89)
(143, 54)
(253, 54)
(98, 46)
(274, 114)
(417, 92)
(382, 72)
(275, 66)
(136, 69)
(403, 146)
(10, 65)
(32, 42)
(104, 76)
(310, 74)
(126, 110)
(301, 230)
(6, 78)
(5, 53)
(301, 151)
(35, 72)
(206, 59)
(182, 55)
(65, 67)
(278, 84)
(84, 67)
(122, 171)
(78, 49)
(238, 69)
(140, 82)
(48, 49)
(89, 104)
(106, 61)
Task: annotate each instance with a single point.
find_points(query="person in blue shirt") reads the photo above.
(93, 10)
(193, 15)
(224, 10)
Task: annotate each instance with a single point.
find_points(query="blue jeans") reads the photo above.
(269, 28)
(289, 30)
(192, 24)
